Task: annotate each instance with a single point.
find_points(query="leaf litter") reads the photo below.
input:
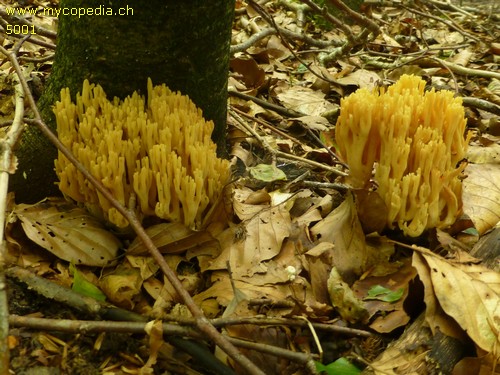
(68, 232)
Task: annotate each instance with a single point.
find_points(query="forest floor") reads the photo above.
(292, 261)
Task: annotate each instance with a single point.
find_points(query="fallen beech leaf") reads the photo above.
(173, 238)
(305, 100)
(313, 122)
(267, 173)
(155, 331)
(362, 78)
(343, 299)
(261, 237)
(222, 290)
(463, 57)
(342, 228)
(455, 283)
(389, 309)
(250, 72)
(68, 232)
(481, 195)
(435, 316)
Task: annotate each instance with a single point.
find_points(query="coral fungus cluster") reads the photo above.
(159, 151)
(412, 144)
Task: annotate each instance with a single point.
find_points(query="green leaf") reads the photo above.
(340, 367)
(267, 173)
(472, 231)
(301, 69)
(381, 293)
(84, 287)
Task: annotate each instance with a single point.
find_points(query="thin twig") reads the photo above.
(130, 322)
(433, 62)
(265, 104)
(90, 326)
(357, 17)
(287, 33)
(439, 19)
(481, 104)
(268, 126)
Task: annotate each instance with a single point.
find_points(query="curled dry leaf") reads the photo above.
(68, 232)
(343, 299)
(342, 228)
(306, 101)
(122, 286)
(468, 293)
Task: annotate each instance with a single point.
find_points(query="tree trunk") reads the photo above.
(184, 44)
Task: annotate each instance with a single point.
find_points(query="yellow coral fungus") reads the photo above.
(412, 143)
(161, 152)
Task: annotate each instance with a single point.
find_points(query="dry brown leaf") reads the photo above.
(317, 207)
(222, 290)
(484, 154)
(443, 37)
(434, 314)
(305, 100)
(479, 287)
(318, 123)
(174, 238)
(155, 331)
(481, 195)
(372, 211)
(68, 232)
(163, 294)
(318, 263)
(347, 304)
(146, 265)
(276, 49)
(396, 361)
(393, 313)
(264, 237)
(257, 201)
(362, 78)
(260, 237)
(463, 57)
(249, 72)
(122, 286)
(342, 228)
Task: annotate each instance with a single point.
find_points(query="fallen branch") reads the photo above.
(481, 104)
(428, 62)
(130, 322)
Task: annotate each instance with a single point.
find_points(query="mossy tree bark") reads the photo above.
(184, 44)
